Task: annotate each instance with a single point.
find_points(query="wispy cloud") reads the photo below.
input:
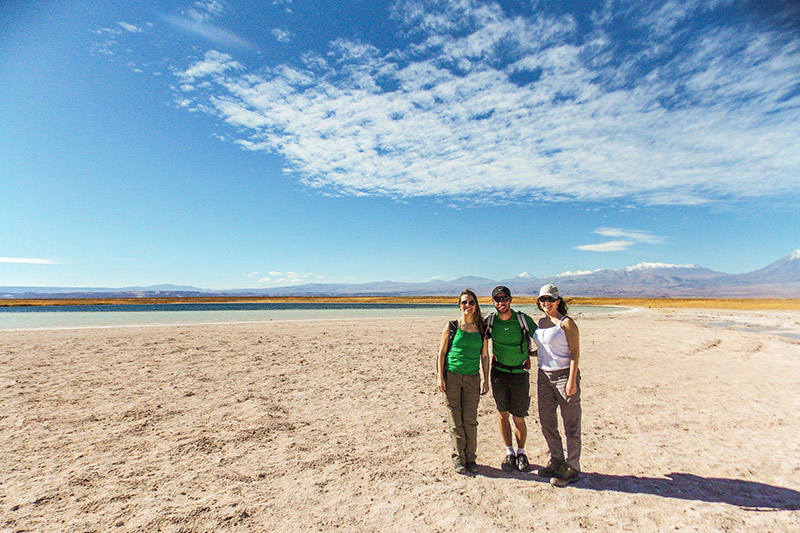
(625, 238)
(198, 21)
(636, 235)
(210, 32)
(27, 261)
(132, 28)
(214, 64)
(485, 105)
(610, 246)
(206, 10)
(282, 36)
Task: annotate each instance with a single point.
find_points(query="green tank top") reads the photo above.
(465, 356)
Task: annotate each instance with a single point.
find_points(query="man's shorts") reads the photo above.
(511, 392)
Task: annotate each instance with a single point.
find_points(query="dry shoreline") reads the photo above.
(337, 425)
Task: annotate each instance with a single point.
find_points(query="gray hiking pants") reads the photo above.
(461, 398)
(552, 395)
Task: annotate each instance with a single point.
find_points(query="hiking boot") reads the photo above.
(522, 463)
(509, 464)
(553, 468)
(472, 467)
(459, 468)
(569, 475)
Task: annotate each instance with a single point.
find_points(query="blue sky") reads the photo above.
(255, 144)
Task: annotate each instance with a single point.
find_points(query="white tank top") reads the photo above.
(553, 348)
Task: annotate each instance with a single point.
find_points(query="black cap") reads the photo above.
(501, 288)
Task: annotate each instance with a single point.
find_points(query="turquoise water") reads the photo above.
(96, 316)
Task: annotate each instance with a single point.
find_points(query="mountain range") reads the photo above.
(780, 279)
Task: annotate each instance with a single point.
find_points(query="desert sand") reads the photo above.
(334, 425)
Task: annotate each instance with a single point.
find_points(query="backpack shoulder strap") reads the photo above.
(489, 324)
(453, 328)
(453, 324)
(524, 330)
(523, 322)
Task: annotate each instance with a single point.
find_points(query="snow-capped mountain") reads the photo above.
(784, 270)
(649, 266)
(643, 279)
(780, 279)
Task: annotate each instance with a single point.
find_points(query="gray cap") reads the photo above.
(549, 290)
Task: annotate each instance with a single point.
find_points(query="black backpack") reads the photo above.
(453, 325)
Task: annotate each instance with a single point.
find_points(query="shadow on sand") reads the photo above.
(749, 495)
(746, 494)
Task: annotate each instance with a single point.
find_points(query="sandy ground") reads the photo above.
(300, 426)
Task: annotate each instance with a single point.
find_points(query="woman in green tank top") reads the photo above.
(462, 355)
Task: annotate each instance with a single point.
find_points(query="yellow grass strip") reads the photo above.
(699, 303)
(748, 304)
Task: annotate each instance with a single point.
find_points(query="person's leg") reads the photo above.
(471, 395)
(501, 390)
(509, 463)
(505, 428)
(520, 403)
(520, 431)
(571, 415)
(547, 397)
(455, 420)
(501, 394)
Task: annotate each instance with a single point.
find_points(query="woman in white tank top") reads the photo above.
(558, 386)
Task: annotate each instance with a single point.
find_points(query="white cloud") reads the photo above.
(610, 246)
(197, 22)
(214, 64)
(282, 36)
(108, 40)
(132, 28)
(26, 260)
(207, 10)
(488, 106)
(664, 19)
(636, 235)
(629, 238)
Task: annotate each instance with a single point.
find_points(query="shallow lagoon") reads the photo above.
(98, 316)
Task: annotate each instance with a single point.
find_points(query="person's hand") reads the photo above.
(572, 389)
(485, 387)
(441, 386)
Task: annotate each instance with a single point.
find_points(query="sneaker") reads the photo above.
(509, 464)
(472, 467)
(553, 468)
(460, 469)
(569, 475)
(522, 463)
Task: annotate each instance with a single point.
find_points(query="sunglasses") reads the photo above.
(467, 302)
(501, 298)
(548, 299)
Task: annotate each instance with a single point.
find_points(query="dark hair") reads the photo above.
(479, 321)
(562, 306)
